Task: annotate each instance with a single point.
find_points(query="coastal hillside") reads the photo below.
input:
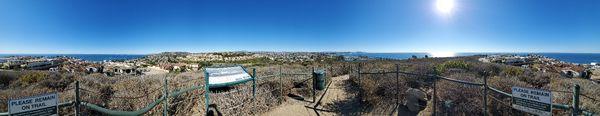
(456, 98)
(363, 93)
(110, 87)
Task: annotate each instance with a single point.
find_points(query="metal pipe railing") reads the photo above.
(575, 107)
(166, 94)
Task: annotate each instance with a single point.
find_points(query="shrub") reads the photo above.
(458, 64)
(539, 79)
(456, 98)
(498, 102)
(57, 81)
(6, 77)
(486, 69)
(513, 71)
(32, 77)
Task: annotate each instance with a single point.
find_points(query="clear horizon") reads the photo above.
(286, 51)
(386, 26)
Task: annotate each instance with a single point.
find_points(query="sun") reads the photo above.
(442, 54)
(444, 6)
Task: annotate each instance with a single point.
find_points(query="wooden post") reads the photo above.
(77, 99)
(485, 87)
(166, 96)
(576, 92)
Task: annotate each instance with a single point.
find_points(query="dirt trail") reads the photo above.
(336, 101)
(334, 94)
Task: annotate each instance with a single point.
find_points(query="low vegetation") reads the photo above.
(129, 93)
(375, 92)
(455, 98)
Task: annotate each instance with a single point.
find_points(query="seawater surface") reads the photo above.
(580, 58)
(87, 57)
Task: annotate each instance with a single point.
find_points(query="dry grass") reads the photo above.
(129, 93)
(376, 93)
(457, 99)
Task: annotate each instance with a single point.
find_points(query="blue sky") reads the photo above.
(149, 26)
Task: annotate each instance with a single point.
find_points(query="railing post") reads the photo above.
(77, 100)
(254, 83)
(434, 97)
(166, 97)
(576, 92)
(485, 95)
(314, 84)
(281, 82)
(359, 81)
(397, 84)
(206, 92)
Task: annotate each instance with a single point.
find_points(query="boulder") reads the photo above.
(416, 100)
(594, 74)
(569, 73)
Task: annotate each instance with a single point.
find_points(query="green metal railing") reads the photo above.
(149, 107)
(576, 110)
(78, 103)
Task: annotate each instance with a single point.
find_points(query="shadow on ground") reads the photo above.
(354, 106)
(351, 105)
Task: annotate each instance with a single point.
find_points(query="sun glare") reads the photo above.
(444, 6)
(442, 54)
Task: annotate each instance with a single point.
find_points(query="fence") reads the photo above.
(77, 103)
(575, 109)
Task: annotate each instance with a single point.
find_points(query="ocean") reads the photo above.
(580, 58)
(87, 57)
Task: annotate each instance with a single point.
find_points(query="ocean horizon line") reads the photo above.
(289, 51)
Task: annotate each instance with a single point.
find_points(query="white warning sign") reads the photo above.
(534, 101)
(41, 105)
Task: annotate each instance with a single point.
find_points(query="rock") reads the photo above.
(569, 73)
(416, 100)
(594, 74)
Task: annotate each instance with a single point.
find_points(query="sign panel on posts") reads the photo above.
(41, 105)
(534, 101)
(227, 76)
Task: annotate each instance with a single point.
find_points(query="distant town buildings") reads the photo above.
(156, 63)
(542, 63)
